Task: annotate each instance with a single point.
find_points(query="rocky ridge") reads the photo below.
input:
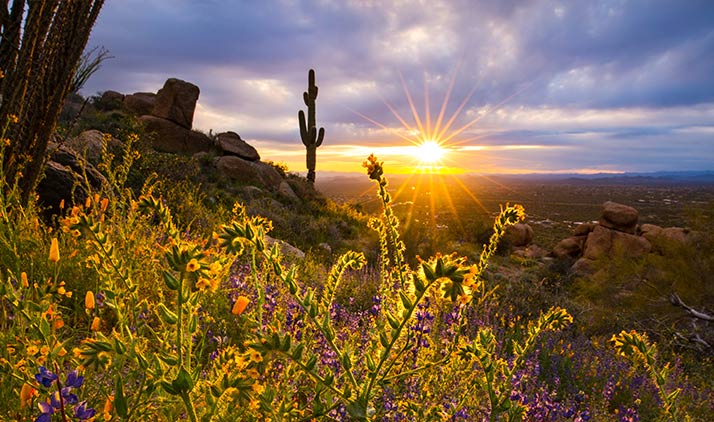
(168, 119)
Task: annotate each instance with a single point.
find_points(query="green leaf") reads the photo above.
(383, 339)
(168, 388)
(405, 300)
(119, 400)
(297, 353)
(393, 322)
(167, 315)
(171, 281)
(183, 381)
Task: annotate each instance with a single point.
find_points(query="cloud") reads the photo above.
(570, 73)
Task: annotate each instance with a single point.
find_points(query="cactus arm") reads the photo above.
(320, 136)
(303, 128)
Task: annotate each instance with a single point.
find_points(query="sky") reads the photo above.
(521, 86)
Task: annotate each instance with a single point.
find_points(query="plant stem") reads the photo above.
(189, 406)
(258, 290)
(179, 333)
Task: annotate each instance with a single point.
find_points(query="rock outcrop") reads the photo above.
(232, 144)
(251, 172)
(168, 119)
(140, 103)
(90, 143)
(615, 234)
(171, 137)
(176, 102)
(519, 234)
(66, 179)
(619, 217)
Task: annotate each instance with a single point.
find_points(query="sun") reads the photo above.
(429, 152)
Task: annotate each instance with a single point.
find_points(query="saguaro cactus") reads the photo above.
(311, 137)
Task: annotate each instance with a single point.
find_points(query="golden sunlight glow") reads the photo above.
(428, 152)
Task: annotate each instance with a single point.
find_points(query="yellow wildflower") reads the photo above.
(57, 322)
(256, 356)
(23, 278)
(44, 350)
(214, 283)
(32, 350)
(464, 298)
(26, 394)
(201, 284)
(193, 265)
(13, 118)
(240, 305)
(215, 267)
(108, 405)
(54, 250)
(258, 388)
(89, 302)
(96, 324)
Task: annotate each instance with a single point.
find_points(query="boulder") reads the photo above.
(232, 144)
(249, 172)
(569, 247)
(140, 103)
(286, 249)
(629, 245)
(176, 102)
(583, 266)
(89, 144)
(64, 179)
(598, 243)
(56, 186)
(583, 229)
(530, 252)
(285, 190)
(519, 234)
(650, 231)
(619, 217)
(69, 158)
(111, 100)
(675, 234)
(603, 242)
(170, 137)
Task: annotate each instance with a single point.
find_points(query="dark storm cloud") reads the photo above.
(250, 59)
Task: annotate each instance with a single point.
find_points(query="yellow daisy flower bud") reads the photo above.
(54, 250)
(240, 305)
(89, 302)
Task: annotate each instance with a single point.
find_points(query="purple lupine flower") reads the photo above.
(74, 379)
(82, 412)
(47, 411)
(45, 377)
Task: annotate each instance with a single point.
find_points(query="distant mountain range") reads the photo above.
(658, 177)
(634, 178)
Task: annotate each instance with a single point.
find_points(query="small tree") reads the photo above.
(311, 137)
(40, 49)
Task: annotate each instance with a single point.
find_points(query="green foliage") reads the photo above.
(310, 135)
(637, 348)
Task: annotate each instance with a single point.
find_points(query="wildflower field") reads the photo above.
(119, 310)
